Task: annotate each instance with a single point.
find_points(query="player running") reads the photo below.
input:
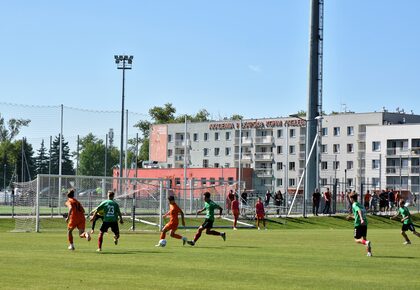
(260, 213)
(111, 212)
(172, 225)
(209, 207)
(98, 215)
(406, 220)
(360, 224)
(75, 219)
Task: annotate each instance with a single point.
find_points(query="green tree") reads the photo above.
(67, 163)
(42, 160)
(25, 161)
(92, 157)
(10, 129)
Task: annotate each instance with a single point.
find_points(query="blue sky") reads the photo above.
(243, 57)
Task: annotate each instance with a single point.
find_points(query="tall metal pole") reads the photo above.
(123, 62)
(315, 59)
(106, 155)
(240, 158)
(126, 144)
(185, 160)
(286, 168)
(122, 129)
(60, 161)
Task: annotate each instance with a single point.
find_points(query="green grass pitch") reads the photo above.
(313, 253)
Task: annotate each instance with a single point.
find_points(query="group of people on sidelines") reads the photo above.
(109, 211)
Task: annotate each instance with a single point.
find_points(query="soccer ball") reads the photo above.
(162, 243)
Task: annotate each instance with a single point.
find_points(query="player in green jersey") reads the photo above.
(111, 213)
(407, 222)
(209, 207)
(360, 224)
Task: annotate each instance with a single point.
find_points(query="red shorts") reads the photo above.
(76, 223)
(235, 212)
(260, 216)
(170, 226)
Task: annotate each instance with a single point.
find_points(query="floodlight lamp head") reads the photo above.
(115, 57)
(121, 57)
(125, 57)
(130, 61)
(131, 57)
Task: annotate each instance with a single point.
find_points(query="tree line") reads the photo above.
(92, 157)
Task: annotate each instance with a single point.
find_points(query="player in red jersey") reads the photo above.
(172, 225)
(75, 219)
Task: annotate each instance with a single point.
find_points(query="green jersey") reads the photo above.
(111, 210)
(210, 207)
(405, 213)
(356, 207)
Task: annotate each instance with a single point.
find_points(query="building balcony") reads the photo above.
(245, 142)
(263, 156)
(264, 140)
(398, 151)
(179, 158)
(397, 170)
(181, 143)
(264, 172)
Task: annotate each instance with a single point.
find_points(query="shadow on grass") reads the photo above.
(131, 252)
(394, 257)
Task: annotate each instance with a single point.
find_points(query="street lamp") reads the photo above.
(123, 62)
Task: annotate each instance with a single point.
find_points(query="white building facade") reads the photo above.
(275, 148)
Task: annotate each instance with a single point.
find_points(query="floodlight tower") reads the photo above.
(314, 97)
(123, 62)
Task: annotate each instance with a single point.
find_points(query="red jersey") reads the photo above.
(235, 205)
(259, 208)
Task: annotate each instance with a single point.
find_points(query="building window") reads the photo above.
(221, 180)
(212, 181)
(177, 181)
(170, 152)
(206, 136)
(279, 182)
(376, 146)
(350, 148)
(195, 137)
(324, 148)
(292, 149)
(336, 131)
(349, 182)
(349, 165)
(279, 165)
(216, 151)
(336, 165)
(324, 181)
(279, 149)
(292, 182)
(227, 165)
(375, 164)
(228, 151)
(292, 166)
(292, 133)
(216, 136)
(203, 181)
(324, 165)
(228, 135)
(375, 182)
(169, 138)
(279, 133)
(206, 151)
(324, 131)
(350, 131)
(230, 180)
(169, 165)
(216, 165)
(336, 148)
(205, 163)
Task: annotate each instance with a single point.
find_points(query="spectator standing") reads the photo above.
(278, 201)
(327, 200)
(268, 196)
(374, 202)
(367, 198)
(244, 201)
(316, 198)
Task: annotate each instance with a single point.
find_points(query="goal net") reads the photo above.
(39, 205)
